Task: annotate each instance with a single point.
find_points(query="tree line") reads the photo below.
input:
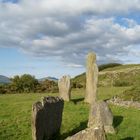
(28, 84)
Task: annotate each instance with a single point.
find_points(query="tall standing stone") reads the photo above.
(91, 78)
(46, 118)
(64, 88)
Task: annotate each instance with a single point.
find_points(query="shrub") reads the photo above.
(2, 89)
(77, 85)
(47, 86)
(25, 83)
(73, 85)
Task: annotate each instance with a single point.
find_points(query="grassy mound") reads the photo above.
(131, 94)
(122, 67)
(117, 76)
(109, 65)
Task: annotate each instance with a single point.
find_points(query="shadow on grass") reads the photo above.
(82, 126)
(128, 138)
(75, 101)
(117, 120)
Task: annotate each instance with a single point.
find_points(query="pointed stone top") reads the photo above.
(91, 56)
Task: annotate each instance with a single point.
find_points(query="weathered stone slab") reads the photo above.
(64, 88)
(101, 115)
(89, 134)
(91, 78)
(46, 118)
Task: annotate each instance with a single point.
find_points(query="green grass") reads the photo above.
(108, 92)
(15, 116)
(127, 123)
(131, 94)
(122, 67)
(124, 75)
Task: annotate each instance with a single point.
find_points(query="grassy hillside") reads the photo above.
(131, 94)
(124, 81)
(15, 116)
(122, 75)
(123, 67)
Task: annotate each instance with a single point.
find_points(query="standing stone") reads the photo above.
(101, 115)
(37, 121)
(64, 88)
(46, 118)
(91, 78)
(89, 134)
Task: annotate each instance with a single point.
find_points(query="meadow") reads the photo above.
(15, 115)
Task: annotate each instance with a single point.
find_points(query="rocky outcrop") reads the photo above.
(121, 102)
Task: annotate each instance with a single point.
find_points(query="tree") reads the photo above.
(48, 86)
(25, 83)
(16, 85)
(2, 89)
(29, 83)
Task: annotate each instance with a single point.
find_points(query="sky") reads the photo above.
(52, 37)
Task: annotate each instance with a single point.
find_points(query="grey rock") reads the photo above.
(91, 78)
(64, 88)
(120, 102)
(46, 118)
(89, 134)
(101, 115)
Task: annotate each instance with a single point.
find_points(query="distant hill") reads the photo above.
(121, 75)
(4, 80)
(48, 78)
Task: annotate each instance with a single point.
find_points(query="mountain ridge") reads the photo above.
(4, 79)
(48, 78)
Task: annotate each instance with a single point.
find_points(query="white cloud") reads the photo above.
(74, 65)
(70, 29)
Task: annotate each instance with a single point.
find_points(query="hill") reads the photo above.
(48, 78)
(121, 75)
(4, 80)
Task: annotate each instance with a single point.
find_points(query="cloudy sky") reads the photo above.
(52, 37)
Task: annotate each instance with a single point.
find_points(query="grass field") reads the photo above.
(15, 116)
(123, 67)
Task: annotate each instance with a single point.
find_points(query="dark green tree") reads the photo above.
(26, 83)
